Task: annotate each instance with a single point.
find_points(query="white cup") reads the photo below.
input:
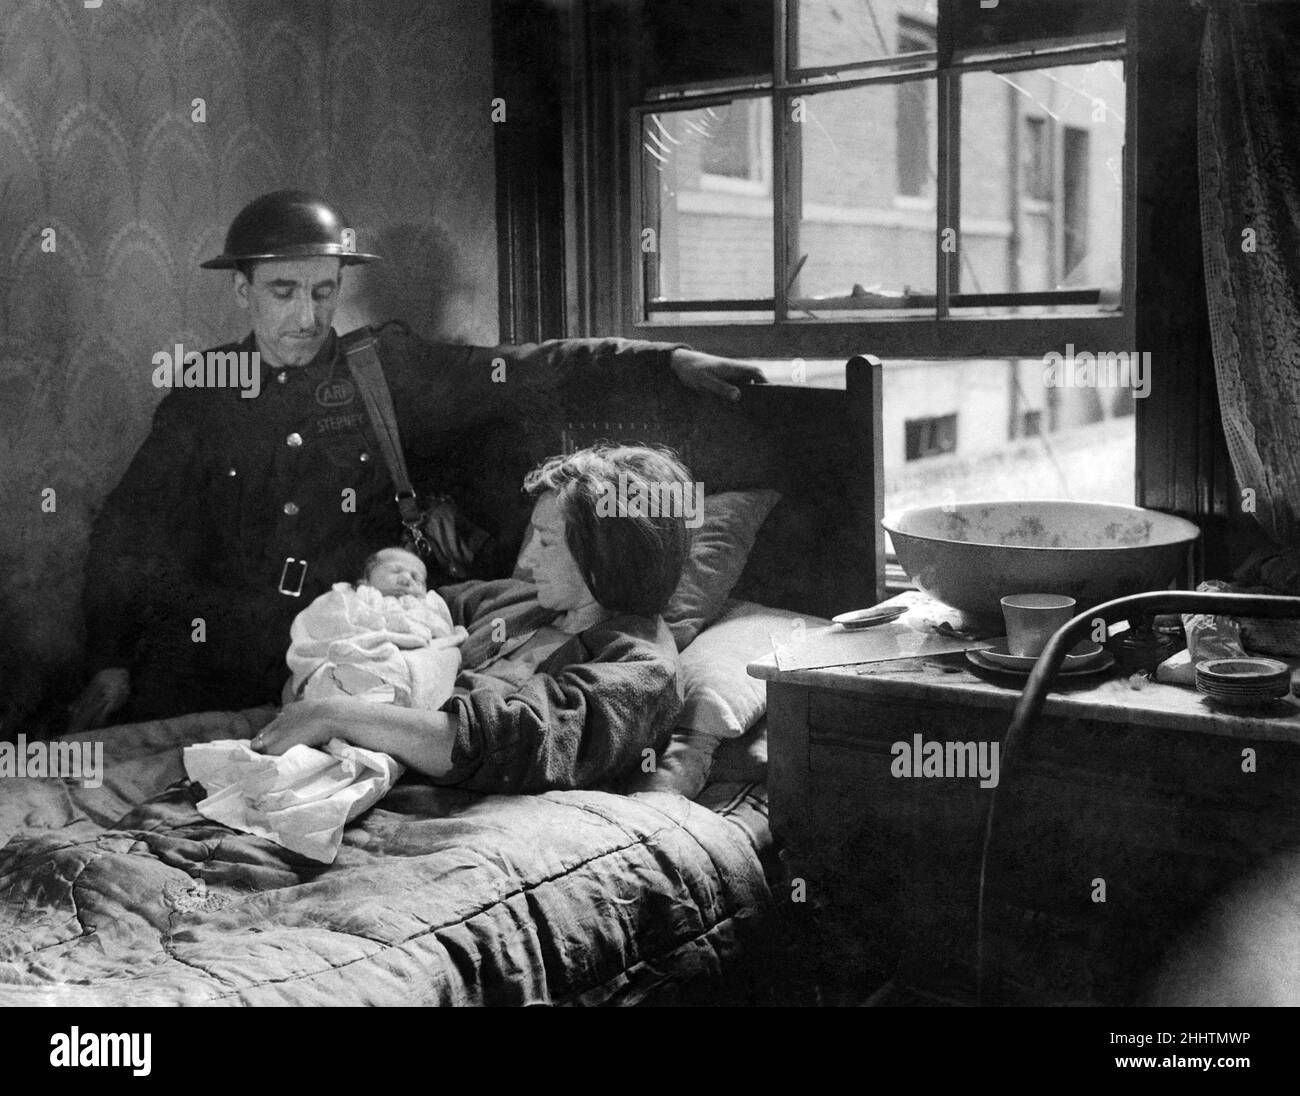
(1032, 618)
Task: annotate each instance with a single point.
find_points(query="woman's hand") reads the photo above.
(306, 723)
(421, 740)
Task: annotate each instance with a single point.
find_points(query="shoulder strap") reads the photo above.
(359, 347)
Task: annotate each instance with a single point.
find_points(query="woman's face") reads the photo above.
(560, 585)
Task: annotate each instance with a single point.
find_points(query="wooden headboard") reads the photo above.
(821, 550)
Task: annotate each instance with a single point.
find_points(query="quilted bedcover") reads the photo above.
(125, 895)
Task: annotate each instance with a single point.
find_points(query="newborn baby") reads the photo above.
(387, 640)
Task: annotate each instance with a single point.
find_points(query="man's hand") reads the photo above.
(107, 692)
(305, 723)
(709, 373)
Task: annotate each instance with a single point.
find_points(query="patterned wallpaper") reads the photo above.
(381, 105)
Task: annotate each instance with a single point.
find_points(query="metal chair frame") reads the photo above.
(1133, 607)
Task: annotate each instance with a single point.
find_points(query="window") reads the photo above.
(996, 432)
(931, 437)
(712, 235)
(942, 185)
(897, 159)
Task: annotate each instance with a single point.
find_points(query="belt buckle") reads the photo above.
(301, 565)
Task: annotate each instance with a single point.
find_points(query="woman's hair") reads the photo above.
(631, 559)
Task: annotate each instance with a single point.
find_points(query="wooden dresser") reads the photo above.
(1117, 817)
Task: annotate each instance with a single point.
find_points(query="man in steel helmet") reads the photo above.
(237, 511)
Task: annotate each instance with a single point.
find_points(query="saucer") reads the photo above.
(869, 618)
(1095, 664)
(1084, 654)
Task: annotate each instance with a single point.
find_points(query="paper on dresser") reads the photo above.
(817, 648)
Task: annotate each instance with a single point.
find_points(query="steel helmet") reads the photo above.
(285, 224)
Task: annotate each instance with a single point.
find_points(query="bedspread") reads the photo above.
(125, 895)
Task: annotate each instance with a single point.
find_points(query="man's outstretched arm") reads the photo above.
(444, 388)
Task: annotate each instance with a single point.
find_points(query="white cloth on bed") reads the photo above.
(356, 642)
(301, 800)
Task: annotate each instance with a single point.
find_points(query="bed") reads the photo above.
(124, 894)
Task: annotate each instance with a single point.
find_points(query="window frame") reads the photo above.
(935, 436)
(939, 334)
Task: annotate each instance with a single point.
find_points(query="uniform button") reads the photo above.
(291, 508)
(365, 457)
(293, 441)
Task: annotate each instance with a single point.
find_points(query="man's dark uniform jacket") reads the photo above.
(193, 542)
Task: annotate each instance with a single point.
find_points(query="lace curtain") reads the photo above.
(1249, 160)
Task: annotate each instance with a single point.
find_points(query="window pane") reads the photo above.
(707, 200)
(996, 430)
(1041, 180)
(966, 430)
(1032, 24)
(863, 235)
(830, 33)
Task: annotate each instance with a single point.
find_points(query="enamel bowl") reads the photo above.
(970, 555)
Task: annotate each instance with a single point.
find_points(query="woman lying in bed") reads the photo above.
(573, 674)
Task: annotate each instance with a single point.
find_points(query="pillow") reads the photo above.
(719, 549)
(720, 731)
(721, 699)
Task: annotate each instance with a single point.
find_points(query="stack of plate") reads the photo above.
(1243, 681)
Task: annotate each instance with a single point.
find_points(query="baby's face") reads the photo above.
(396, 572)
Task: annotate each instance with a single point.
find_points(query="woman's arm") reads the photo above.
(580, 725)
(421, 740)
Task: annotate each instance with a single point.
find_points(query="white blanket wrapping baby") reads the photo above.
(357, 642)
(354, 643)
